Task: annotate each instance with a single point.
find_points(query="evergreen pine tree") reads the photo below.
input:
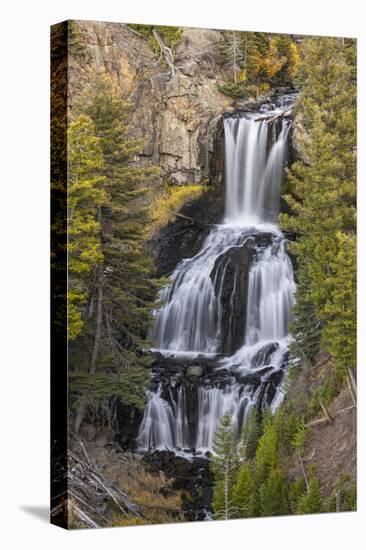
(322, 191)
(266, 457)
(122, 287)
(258, 61)
(288, 59)
(273, 495)
(224, 465)
(296, 491)
(312, 501)
(84, 197)
(340, 310)
(244, 499)
(305, 327)
(251, 434)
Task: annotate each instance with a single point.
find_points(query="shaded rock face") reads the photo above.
(230, 278)
(184, 237)
(126, 421)
(176, 117)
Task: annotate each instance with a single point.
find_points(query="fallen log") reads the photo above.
(325, 418)
(75, 496)
(83, 476)
(325, 411)
(272, 118)
(315, 422)
(350, 389)
(83, 516)
(353, 380)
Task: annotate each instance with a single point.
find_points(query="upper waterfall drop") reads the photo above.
(253, 180)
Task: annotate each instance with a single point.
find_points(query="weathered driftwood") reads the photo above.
(88, 491)
(349, 384)
(352, 379)
(309, 458)
(188, 218)
(83, 503)
(316, 422)
(82, 474)
(326, 419)
(82, 516)
(272, 118)
(325, 411)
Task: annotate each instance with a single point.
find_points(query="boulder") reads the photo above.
(194, 370)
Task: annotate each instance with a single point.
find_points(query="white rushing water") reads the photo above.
(189, 321)
(253, 186)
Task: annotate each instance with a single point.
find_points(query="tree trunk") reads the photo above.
(226, 491)
(352, 379)
(98, 321)
(234, 56)
(166, 51)
(79, 417)
(349, 384)
(303, 472)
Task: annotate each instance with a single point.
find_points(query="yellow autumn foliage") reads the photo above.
(167, 206)
(293, 59)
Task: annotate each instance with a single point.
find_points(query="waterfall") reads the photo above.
(189, 321)
(206, 311)
(270, 295)
(254, 182)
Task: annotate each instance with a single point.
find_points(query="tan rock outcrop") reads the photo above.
(176, 116)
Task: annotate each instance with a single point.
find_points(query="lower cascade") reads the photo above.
(221, 331)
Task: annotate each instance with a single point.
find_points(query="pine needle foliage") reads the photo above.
(244, 495)
(171, 35)
(258, 62)
(322, 200)
(112, 286)
(224, 464)
(312, 501)
(273, 495)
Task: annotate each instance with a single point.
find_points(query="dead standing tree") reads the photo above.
(166, 52)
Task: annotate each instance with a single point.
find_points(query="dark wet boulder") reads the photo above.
(126, 421)
(230, 276)
(195, 370)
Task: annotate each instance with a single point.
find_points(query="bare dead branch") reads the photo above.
(325, 411)
(82, 516)
(166, 52)
(348, 378)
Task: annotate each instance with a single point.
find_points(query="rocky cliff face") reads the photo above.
(178, 116)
